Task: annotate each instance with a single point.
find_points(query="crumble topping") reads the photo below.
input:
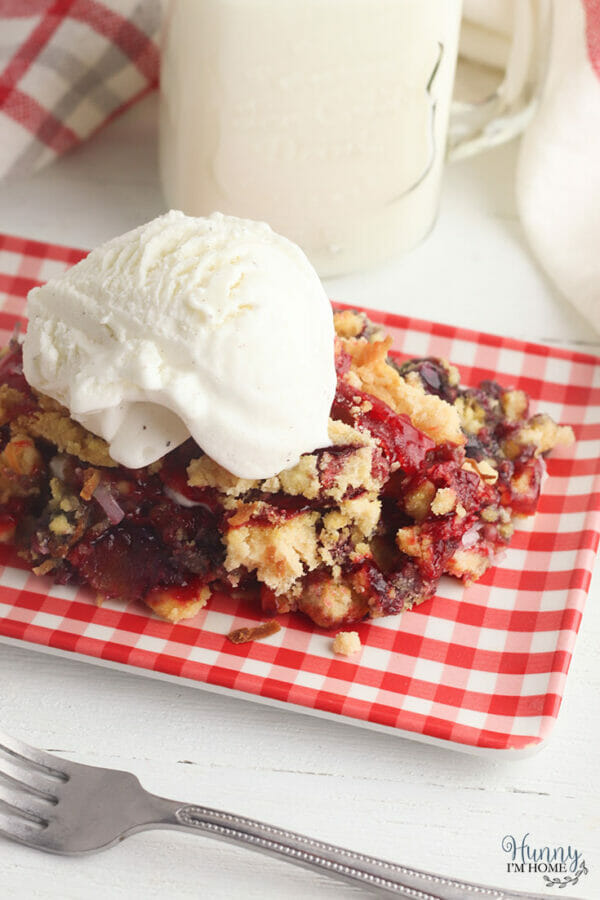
(279, 554)
(205, 472)
(329, 603)
(60, 525)
(20, 463)
(544, 434)
(418, 501)
(444, 501)
(168, 605)
(52, 422)
(421, 477)
(413, 541)
(373, 374)
(485, 468)
(362, 513)
(11, 400)
(346, 643)
(308, 478)
(349, 324)
(468, 565)
(515, 405)
(301, 480)
(471, 414)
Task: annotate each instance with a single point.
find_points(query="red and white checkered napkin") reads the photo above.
(484, 667)
(66, 68)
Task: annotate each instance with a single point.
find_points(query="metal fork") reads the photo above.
(60, 806)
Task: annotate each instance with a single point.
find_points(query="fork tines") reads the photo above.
(27, 780)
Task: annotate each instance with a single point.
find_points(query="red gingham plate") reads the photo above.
(482, 668)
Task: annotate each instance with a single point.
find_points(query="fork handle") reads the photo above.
(328, 859)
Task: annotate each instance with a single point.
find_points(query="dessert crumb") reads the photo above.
(91, 480)
(346, 643)
(243, 635)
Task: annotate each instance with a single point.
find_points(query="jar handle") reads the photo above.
(508, 110)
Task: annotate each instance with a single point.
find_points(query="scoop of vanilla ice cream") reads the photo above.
(214, 327)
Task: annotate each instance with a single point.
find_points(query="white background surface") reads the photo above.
(419, 805)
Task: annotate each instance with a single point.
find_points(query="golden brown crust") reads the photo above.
(514, 404)
(471, 414)
(413, 541)
(168, 605)
(417, 502)
(245, 635)
(91, 480)
(279, 554)
(303, 479)
(20, 465)
(53, 423)
(468, 565)
(348, 324)
(545, 434)
(329, 603)
(483, 468)
(372, 374)
(444, 501)
(10, 400)
(205, 472)
(346, 643)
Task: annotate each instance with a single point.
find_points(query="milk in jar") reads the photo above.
(325, 118)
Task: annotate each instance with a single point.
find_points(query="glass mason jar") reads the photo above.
(328, 119)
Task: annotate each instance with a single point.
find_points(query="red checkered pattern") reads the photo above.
(592, 12)
(66, 68)
(484, 667)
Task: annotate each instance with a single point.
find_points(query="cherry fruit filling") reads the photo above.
(423, 477)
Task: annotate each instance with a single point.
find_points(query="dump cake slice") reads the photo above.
(421, 477)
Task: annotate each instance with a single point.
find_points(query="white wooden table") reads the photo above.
(417, 804)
